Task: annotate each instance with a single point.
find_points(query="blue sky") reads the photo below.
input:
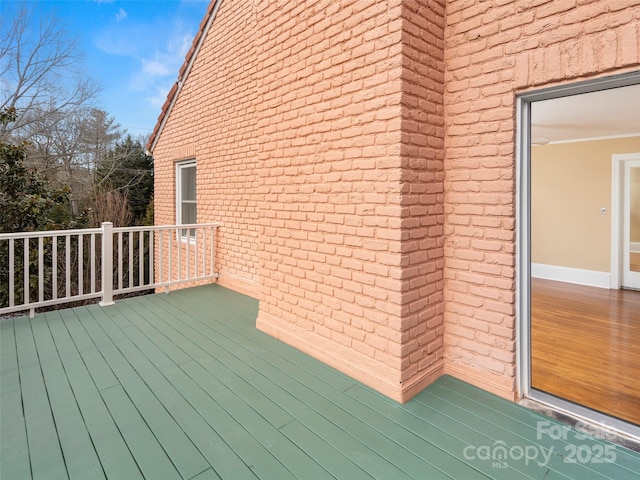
(133, 49)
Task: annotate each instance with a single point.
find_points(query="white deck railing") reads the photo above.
(47, 268)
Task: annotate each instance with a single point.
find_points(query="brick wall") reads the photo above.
(351, 229)
(494, 49)
(361, 158)
(213, 121)
(330, 243)
(422, 213)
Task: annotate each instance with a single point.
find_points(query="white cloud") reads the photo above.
(153, 49)
(121, 15)
(159, 49)
(160, 67)
(155, 68)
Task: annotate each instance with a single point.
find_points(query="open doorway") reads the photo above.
(580, 342)
(631, 229)
(625, 230)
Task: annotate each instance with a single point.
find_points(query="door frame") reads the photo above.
(618, 163)
(524, 101)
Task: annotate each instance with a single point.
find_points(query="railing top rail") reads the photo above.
(166, 227)
(50, 233)
(88, 231)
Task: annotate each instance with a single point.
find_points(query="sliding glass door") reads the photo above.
(578, 217)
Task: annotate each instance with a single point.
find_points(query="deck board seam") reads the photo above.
(249, 364)
(249, 406)
(50, 412)
(136, 378)
(524, 427)
(66, 378)
(187, 400)
(296, 379)
(107, 411)
(251, 338)
(22, 419)
(274, 398)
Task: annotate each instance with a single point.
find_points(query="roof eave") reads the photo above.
(189, 60)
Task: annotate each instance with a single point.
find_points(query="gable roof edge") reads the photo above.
(189, 60)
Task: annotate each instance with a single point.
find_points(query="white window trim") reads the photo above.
(179, 201)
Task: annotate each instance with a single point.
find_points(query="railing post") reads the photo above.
(107, 264)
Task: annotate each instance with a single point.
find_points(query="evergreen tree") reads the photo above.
(129, 170)
(28, 201)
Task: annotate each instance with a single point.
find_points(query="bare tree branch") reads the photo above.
(37, 71)
(68, 146)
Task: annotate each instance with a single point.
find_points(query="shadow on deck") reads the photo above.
(183, 386)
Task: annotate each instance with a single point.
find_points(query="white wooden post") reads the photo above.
(107, 264)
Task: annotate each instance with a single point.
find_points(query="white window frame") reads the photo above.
(180, 166)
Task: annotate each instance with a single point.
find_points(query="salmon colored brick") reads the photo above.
(221, 137)
(530, 45)
(360, 157)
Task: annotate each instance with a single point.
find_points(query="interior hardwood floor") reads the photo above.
(585, 346)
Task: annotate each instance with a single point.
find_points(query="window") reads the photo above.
(186, 212)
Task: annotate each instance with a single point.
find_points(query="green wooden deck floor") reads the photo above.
(182, 386)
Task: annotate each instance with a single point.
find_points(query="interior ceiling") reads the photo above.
(607, 113)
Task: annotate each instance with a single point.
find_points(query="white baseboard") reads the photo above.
(579, 276)
(634, 247)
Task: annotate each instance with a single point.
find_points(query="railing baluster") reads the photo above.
(80, 264)
(188, 250)
(131, 259)
(204, 251)
(212, 231)
(25, 280)
(170, 277)
(92, 254)
(140, 258)
(195, 254)
(41, 269)
(179, 246)
(54, 267)
(160, 271)
(68, 265)
(151, 257)
(119, 260)
(12, 269)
